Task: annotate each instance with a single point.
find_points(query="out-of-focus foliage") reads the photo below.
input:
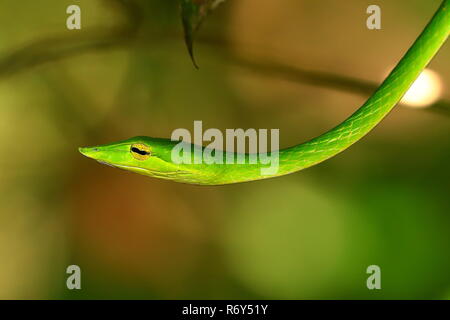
(193, 13)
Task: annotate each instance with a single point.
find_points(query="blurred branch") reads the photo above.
(70, 44)
(321, 79)
(63, 46)
(305, 76)
(73, 43)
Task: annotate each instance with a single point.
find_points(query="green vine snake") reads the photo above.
(153, 156)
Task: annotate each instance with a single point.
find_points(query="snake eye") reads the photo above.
(140, 151)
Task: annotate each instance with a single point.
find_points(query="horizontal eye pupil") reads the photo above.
(139, 151)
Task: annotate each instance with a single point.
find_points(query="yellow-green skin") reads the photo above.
(159, 163)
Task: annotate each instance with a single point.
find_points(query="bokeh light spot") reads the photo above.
(424, 91)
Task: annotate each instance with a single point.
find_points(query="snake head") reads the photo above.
(143, 155)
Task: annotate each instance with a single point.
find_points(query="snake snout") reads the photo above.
(88, 152)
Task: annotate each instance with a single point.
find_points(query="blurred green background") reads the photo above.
(385, 201)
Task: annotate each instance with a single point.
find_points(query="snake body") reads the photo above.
(153, 156)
